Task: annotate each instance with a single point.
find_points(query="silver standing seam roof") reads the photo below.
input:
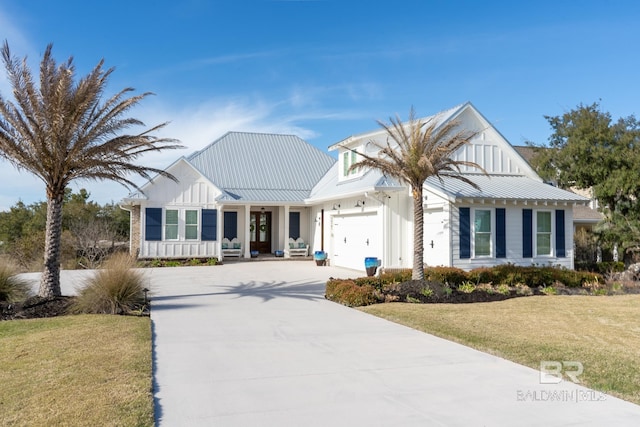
(262, 168)
(502, 187)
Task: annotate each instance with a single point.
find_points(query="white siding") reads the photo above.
(513, 228)
(191, 191)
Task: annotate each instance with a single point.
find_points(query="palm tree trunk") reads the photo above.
(50, 282)
(418, 234)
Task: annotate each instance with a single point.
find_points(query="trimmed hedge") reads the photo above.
(520, 280)
(348, 293)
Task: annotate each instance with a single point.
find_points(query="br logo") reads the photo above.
(552, 371)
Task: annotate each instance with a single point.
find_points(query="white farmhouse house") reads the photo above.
(265, 190)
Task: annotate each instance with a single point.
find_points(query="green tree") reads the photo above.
(414, 152)
(588, 149)
(60, 130)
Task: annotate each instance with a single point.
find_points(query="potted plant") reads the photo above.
(320, 257)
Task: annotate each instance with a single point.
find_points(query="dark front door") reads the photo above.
(260, 232)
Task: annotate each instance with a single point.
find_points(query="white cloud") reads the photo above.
(194, 125)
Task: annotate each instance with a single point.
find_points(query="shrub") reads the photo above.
(427, 292)
(212, 261)
(548, 290)
(449, 275)
(114, 289)
(482, 275)
(466, 287)
(396, 276)
(12, 287)
(348, 293)
(523, 290)
(503, 289)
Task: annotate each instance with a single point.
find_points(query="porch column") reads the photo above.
(286, 231)
(219, 233)
(246, 245)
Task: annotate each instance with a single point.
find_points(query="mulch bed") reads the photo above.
(35, 307)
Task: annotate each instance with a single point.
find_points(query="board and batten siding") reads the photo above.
(190, 192)
(514, 226)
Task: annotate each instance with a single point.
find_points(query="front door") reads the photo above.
(260, 232)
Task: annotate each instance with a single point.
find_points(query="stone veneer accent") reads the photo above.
(134, 242)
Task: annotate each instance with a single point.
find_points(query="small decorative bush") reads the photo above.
(503, 289)
(116, 288)
(548, 290)
(466, 287)
(12, 288)
(348, 293)
(523, 290)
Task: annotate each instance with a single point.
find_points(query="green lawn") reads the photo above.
(603, 333)
(85, 370)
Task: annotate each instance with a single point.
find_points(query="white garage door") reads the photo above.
(355, 237)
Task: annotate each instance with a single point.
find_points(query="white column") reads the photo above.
(246, 246)
(286, 231)
(219, 233)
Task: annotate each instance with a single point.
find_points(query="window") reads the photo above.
(171, 224)
(191, 225)
(482, 233)
(184, 224)
(349, 158)
(543, 233)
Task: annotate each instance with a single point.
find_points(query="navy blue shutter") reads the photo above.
(294, 225)
(560, 244)
(230, 225)
(527, 233)
(465, 233)
(153, 224)
(209, 224)
(501, 233)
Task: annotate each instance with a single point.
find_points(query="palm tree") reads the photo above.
(61, 131)
(424, 149)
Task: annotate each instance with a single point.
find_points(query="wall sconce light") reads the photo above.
(359, 204)
(262, 209)
(336, 206)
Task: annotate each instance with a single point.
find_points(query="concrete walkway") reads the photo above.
(256, 344)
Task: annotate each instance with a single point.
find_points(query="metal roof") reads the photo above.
(260, 167)
(502, 187)
(330, 187)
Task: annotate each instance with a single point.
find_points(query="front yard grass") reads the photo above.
(603, 333)
(76, 371)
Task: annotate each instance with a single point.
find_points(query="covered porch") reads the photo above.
(264, 231)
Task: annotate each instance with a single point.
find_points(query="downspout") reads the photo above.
(322, 230)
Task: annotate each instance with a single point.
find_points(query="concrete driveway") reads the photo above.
(256, 344)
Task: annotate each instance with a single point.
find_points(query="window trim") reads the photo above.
(348, 158)
(197, 224)
(491, 233)
(551, 233)
(165, 224)
(182, 223)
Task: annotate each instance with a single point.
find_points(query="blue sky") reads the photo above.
(324, 70)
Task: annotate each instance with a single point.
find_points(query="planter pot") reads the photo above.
(254, 254)
(279, 254)
(320, 257)
(371, 264)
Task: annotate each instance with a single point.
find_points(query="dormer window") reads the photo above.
(349, 158)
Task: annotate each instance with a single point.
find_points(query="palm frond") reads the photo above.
(61, 131)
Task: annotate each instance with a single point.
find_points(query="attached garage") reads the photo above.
(355, 237)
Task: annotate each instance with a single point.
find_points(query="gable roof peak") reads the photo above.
(442, 116)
